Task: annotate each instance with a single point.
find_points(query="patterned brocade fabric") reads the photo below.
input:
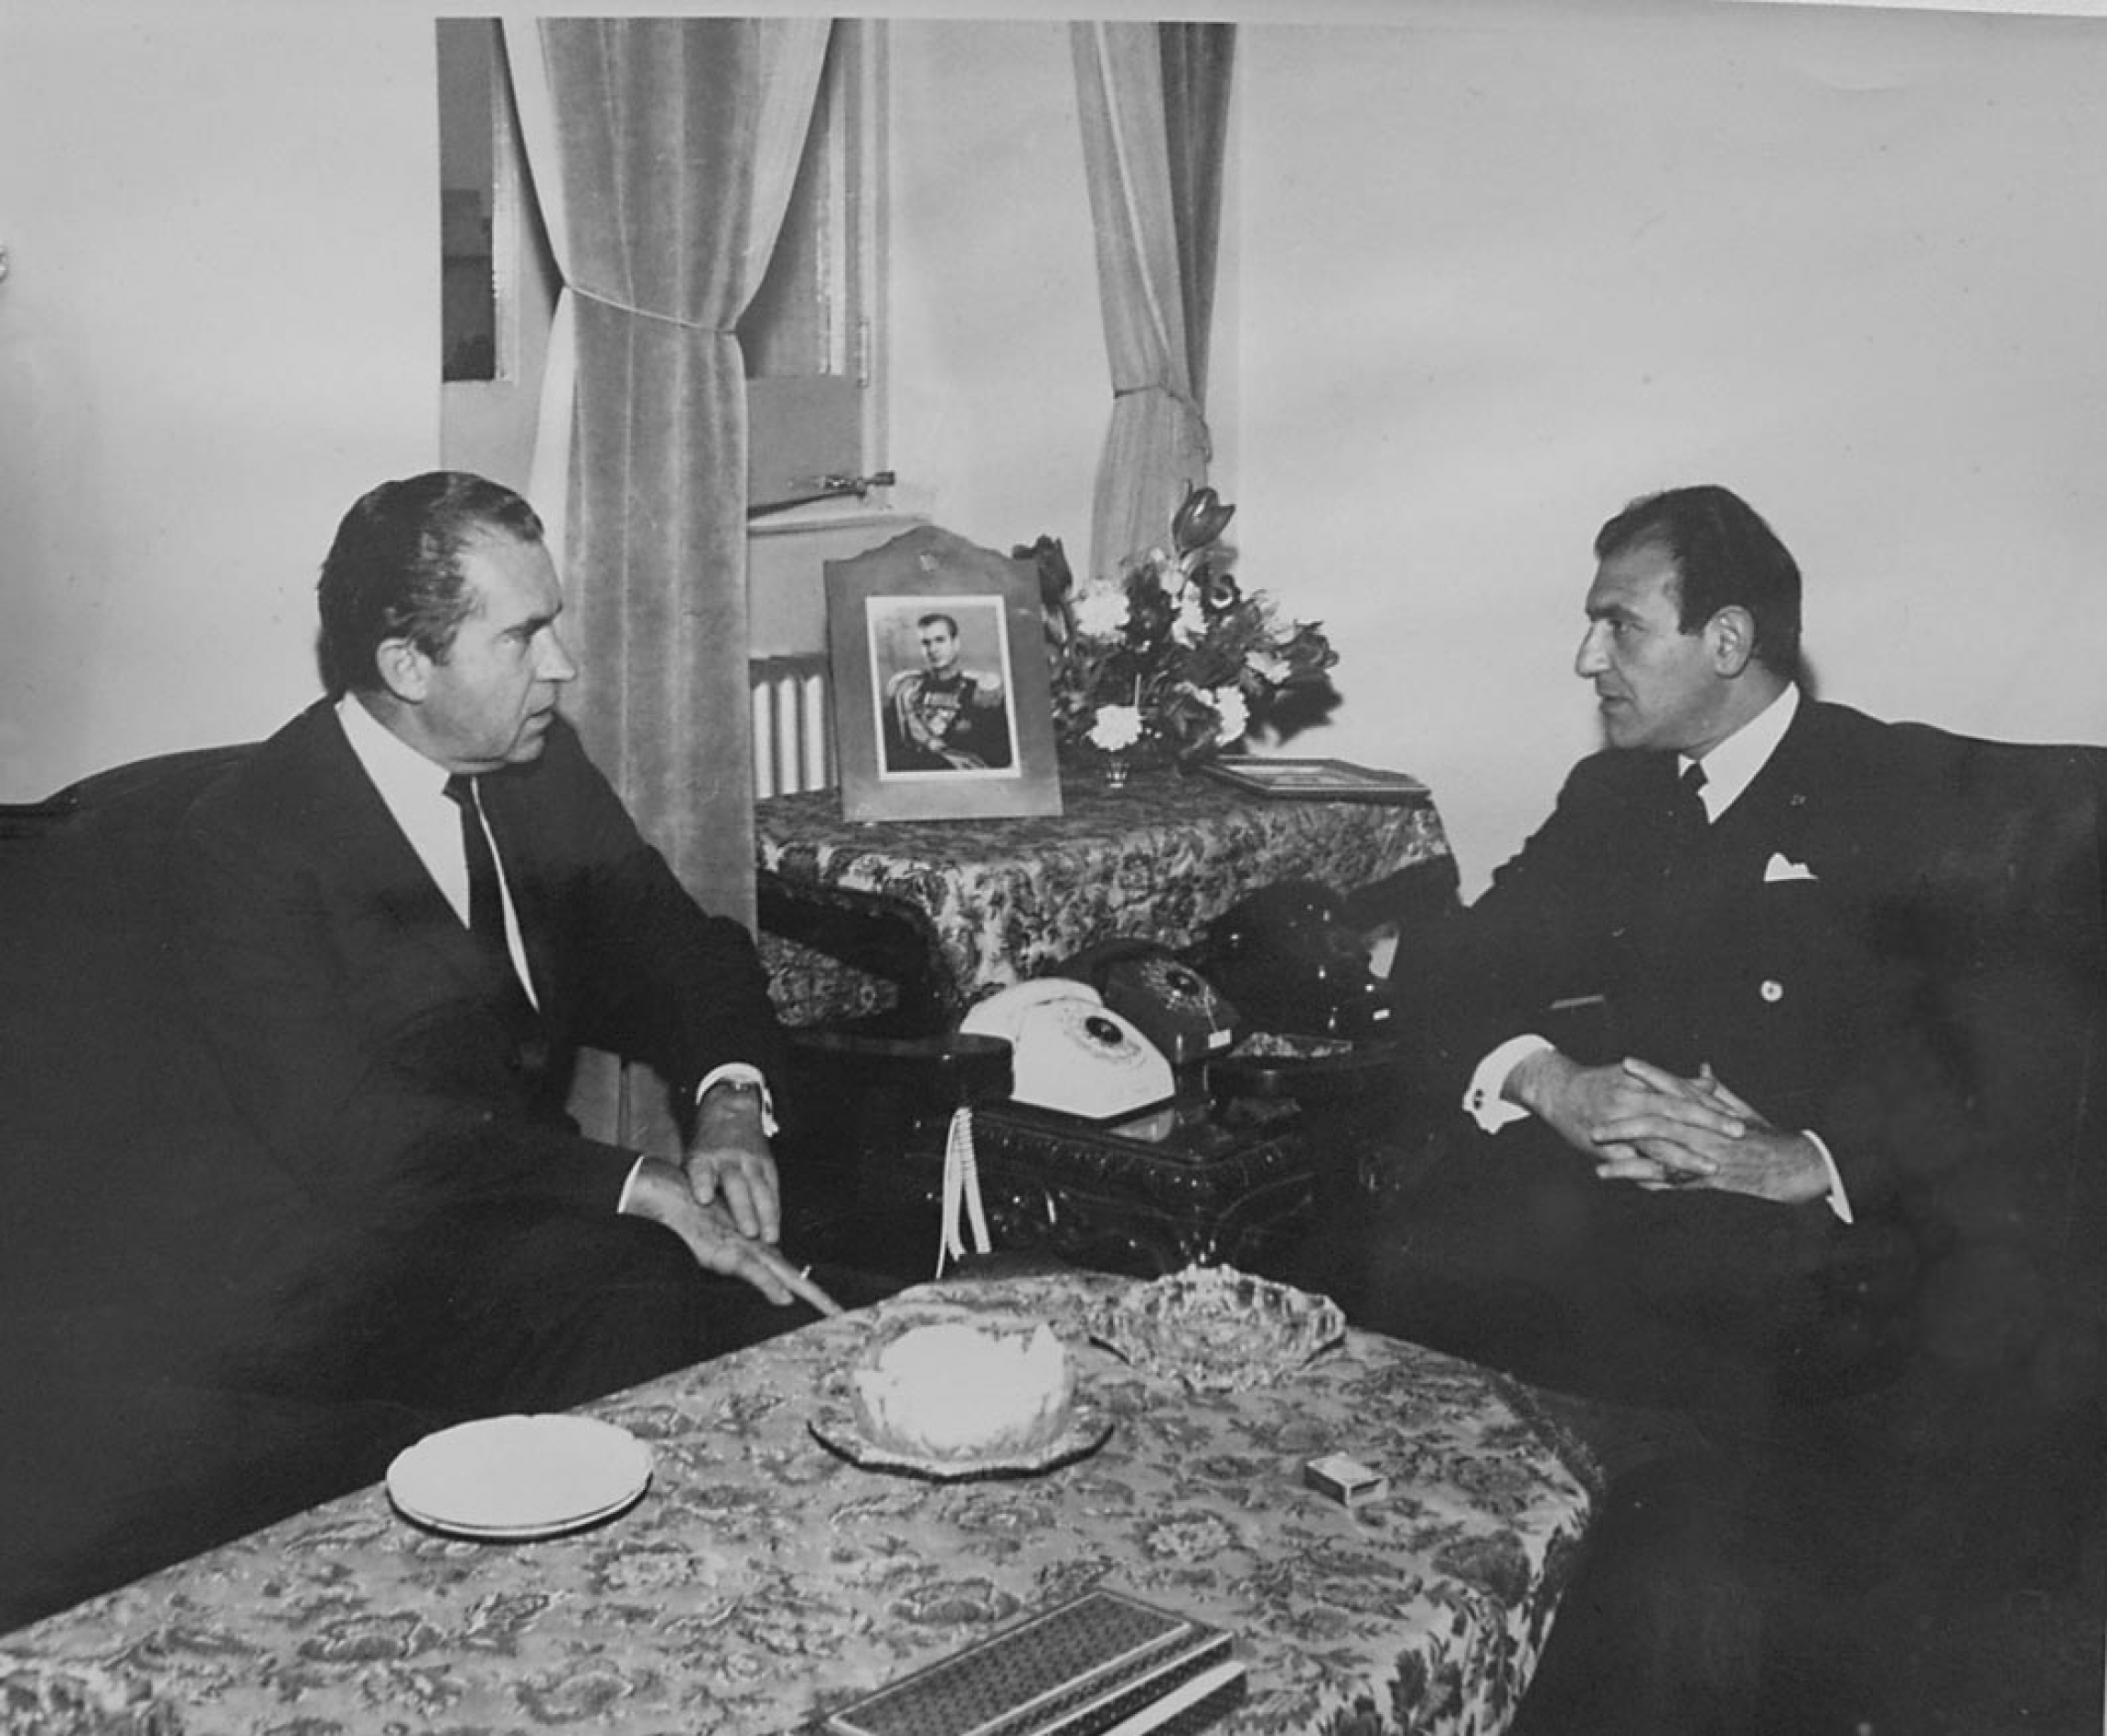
(1009, 898)
(762, 1581)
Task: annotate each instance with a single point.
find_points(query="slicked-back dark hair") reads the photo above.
(1725, 555)
(394, 571)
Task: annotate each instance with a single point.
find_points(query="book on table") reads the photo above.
(1103, 1663)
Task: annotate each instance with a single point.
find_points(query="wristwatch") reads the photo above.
(747, 1082)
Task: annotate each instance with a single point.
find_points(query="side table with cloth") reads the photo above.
(961, 908)
(762, 1581)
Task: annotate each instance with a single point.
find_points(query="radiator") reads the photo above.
(792, 733)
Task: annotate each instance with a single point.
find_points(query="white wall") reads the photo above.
(218, 328)
(1509, 263)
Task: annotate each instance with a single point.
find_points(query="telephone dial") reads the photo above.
(1171, 1003)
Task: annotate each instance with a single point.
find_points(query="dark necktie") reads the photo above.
(486, 903)
(1692, 823)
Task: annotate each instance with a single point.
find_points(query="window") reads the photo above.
(812, 336)
(480, 200)
(812, 332)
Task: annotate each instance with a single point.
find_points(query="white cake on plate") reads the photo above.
(964, 1392)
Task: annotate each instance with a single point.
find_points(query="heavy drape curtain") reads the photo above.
(1154, 101)
(663, 152)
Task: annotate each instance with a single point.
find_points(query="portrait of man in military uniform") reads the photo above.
(941, 715)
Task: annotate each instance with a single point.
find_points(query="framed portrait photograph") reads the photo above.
(936, 649)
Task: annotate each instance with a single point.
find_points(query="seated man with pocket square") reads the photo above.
(1685, 1027)
(402, 917)
(1694, 997)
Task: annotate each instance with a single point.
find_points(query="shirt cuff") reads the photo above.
(1839, 1201)
(741, 1073)
(734, 1072)
(1482, 1101)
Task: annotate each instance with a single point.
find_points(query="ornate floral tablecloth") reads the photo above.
(1004, 900)
(763, 1581)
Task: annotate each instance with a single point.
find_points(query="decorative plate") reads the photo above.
(1217, 1329)
(836, 1428)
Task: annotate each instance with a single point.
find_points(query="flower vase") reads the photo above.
(1100, 767)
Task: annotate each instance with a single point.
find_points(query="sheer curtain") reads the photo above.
(663, 152)
(1154, 105)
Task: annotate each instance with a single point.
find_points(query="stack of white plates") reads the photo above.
(511, 1478)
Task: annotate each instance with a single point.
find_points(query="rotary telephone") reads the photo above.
(1071, 1052)
(1289, 958)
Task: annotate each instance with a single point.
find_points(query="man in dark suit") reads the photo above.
(402, 915)
(1697, 1089)
(1683, 1021)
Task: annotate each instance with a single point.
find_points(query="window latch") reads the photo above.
(825, 488)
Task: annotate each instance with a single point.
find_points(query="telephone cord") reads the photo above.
(961, 1189)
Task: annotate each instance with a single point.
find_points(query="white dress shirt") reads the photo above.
(415, 791)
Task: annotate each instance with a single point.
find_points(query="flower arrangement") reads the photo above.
(1171, 658)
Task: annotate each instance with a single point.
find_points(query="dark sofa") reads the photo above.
(123, 1443)
(1991, 1432)
(2015, 1280)
(1967, 1491)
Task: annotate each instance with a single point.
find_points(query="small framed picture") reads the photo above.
(1316, 780)
(937, 648)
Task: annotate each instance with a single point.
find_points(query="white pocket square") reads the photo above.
(1778, 868)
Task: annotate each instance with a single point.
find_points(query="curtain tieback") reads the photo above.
(646, 313)
(1184, 399)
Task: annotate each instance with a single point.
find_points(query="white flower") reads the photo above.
(1117, 726)
(1101, 615)
(1191, 627)
(1228, 704)
(1267, 666)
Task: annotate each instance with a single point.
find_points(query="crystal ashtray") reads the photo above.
(1218, 1329)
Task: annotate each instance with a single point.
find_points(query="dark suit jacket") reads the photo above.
(383, 1077)
(1789, 952)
